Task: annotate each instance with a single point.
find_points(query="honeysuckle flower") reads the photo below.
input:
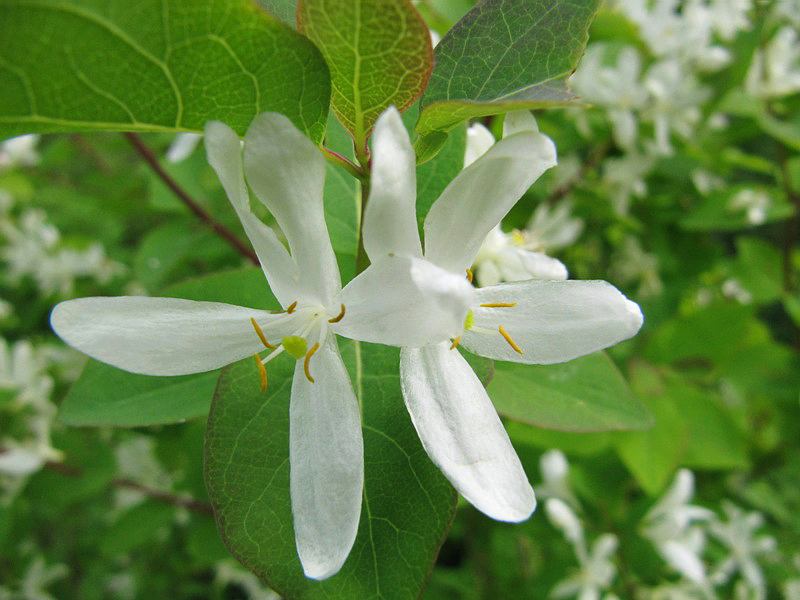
(775, 69)
(520, 254)
(555, 470)
(671, 526)
(753, 202)
(596, 570)
(531, 321)
(402, 301)
(20, 150)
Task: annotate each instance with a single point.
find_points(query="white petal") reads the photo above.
(224, 152)
(553, 321)
(479, 140)
(20, 461)
(462, 433)
(287, 172)
(326, 460)
(518, 121)
(405, 301)
(390, 220)
(522, 264)
(480, 196)
(182, 146)
(158, 336)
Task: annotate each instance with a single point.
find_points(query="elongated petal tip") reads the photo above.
(635, 316)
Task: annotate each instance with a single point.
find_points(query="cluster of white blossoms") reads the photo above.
(31, 247)
(27, 414)
(418, 298)
(682, 533)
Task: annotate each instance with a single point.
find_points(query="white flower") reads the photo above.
(669, 525)
(625, 178)
(737, 535)
(728, 17)
(531, 321)
(402, 301)
(596, 569)
(775, 69)
(753, 202)
(555, 468)
(20, 150)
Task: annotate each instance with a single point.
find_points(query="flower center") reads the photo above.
(309, 322)
(469, 325)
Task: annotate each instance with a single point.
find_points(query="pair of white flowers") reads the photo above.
(417, 299)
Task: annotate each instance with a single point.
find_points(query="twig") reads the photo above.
(121, 482)
(341, 161)
(184, 197)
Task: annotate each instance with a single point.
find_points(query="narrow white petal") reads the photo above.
(462, 433)
(552, 321)
(18, 462)
(481, 195)
(390, 220)
(158, 336)
(479, 140)
(518, 121)
(405, 301)
(523, 264)
(287, 172)
(326, 460)
(182, 146)
(224, 152)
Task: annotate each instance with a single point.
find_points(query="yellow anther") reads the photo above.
(261, 335)
(306, 361)
(469, 275)
(455, 342)
(499, 304)
(262, 372)
(507, 337)
(291, 307)
(338, 317)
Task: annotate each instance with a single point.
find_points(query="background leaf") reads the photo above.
(585, 394)
(505, 55)
(168, 65)
(407, 504)
(379, 53)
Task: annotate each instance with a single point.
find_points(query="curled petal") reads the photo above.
(551, 321)
(158, 336)
(405, 301)
(326, 460)
(481, 195)
(390, 220)
(462, 433)
(286, 172)
(225, 155)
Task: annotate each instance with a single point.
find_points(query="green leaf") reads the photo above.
(379, 53)
(505, 55)
(342, 196)
(168, 65)
(136, 527)
(407, 503)
(105, 395)
(435, 175)
(585, 394)
(283, 10)
(758, 268)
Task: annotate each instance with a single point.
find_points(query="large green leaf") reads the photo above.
(379, 53)
(585, 394)
(105, 395)
(504, 55)
(407, 503)
(153, 65)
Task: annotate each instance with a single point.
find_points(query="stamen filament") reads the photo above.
(262, 372)
(338, 317)
(469, 275)
(499, 304)
(455, 342)
(261, 335)
(507, 337)
(306, 361)
(291, 307)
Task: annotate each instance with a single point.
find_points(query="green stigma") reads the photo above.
(469, 321)
(295, 346)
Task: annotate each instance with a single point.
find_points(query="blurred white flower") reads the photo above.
(775, 69)
(670, 526)
(555, 471)
(729, 17)
(182, 146)
(733, 288)
(596, 570)
(787, 9)
(19, 151)
(136, 460)
(630, 264)
(738, 536)
(38, 576)
(754, 202)
(229, 572)
(617, 87)
(624, 178)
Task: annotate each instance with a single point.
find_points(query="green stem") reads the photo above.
(362, 154)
